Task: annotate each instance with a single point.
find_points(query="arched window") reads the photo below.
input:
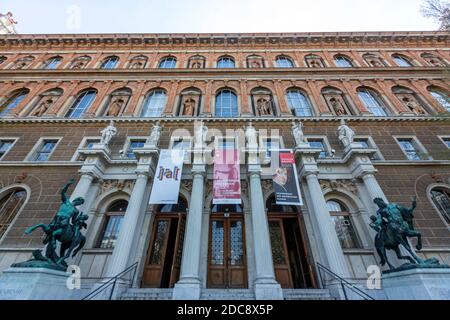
(111, 226)
(441, 97)
(82, 103)
(117, 102)
(373, 102)
(46, 101)
(138, 62)
(226, 208)
(441, 199)
(110, 63)
(225, 62)
(343, 61)
(433, 60)
(226, 104)
(13, 101)
(52, 63)
(402, 61)
(284, 62)
(179, 207)
(343, 225)
(196, 62)
(299, 103)
(154, 104)
(10, 205)
(168, 63)
(80, 62)
(22, 63)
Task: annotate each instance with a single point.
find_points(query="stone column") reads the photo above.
(266, 287)
(119, 259)
(189, 285)
(373, 188)
(327, 232)
(83, 186)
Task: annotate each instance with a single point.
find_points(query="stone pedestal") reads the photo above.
(34, 284)
(417, 284)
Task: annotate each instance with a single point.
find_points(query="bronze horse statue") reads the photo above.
(394, 225)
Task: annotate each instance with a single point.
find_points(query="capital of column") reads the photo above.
(142, 174)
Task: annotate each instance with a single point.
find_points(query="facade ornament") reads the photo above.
(187, 184)
(155, 135)
(251, 135)
(108, 133)
(297, 132)
(189, 107)
(43, 107)
(201, 134)
(349, 185)
(7, 24)
(115, 107)
(107, 185)
(346, 134)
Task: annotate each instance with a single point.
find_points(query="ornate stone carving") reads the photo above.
(346, 134)
(251, 135)
(188, 106)
(108, 133)
(107, 185)
(201, 134)
(155, 135)
(297, 132)
(410, 101)
(187, 185)
(336, 104)
(45, 104)
(349, 185)
(115, 106)
(263, 105)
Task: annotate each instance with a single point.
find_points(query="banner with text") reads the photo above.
(227, 177)
(285, 180)
(166, 185)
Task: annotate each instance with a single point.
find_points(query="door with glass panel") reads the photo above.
(227, 262)
(162, 268)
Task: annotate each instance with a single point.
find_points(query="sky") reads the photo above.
(215, 16)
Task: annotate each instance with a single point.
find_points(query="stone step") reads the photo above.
(307, 294)
(227, 294)
(147, 294)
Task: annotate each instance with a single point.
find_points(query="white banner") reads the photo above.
(166, 184)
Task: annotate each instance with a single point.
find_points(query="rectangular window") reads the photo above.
(134, 144)
(445, 140)
(271, 145)
(318, 144)
(44, 152)
(5, 146)
(409, 148)
(367, 144)
(89, 144)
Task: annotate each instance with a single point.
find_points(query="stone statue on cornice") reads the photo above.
(346, 134)
(108, 133)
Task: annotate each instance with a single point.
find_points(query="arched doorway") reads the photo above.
(162, 266)
(290, 252)
(227, 261)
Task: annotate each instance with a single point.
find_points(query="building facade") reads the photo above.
(58, 92)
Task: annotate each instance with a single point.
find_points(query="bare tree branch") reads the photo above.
(439, 11)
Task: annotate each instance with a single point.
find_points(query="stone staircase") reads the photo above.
(307, 294)
(227, 294)
(147, 294)
(222, 294)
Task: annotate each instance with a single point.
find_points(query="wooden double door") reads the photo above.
(162, 267)
(290, 253)
(227, 261)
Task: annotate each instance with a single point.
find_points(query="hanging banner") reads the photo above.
(166, 185)
(285, 180)
(227, 177)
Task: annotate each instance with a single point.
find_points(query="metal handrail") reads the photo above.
(344, 283)
(112, 282)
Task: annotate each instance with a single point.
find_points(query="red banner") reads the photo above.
(227, 177)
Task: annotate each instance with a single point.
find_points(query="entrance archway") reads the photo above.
(227, 261)
(162, 266)
(290, 252)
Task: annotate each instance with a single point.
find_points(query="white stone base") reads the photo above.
(187, 291)
(34, 284)
(417, 284)
(268, 291)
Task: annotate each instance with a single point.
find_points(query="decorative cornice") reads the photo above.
(70, 41)
(212, 120)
